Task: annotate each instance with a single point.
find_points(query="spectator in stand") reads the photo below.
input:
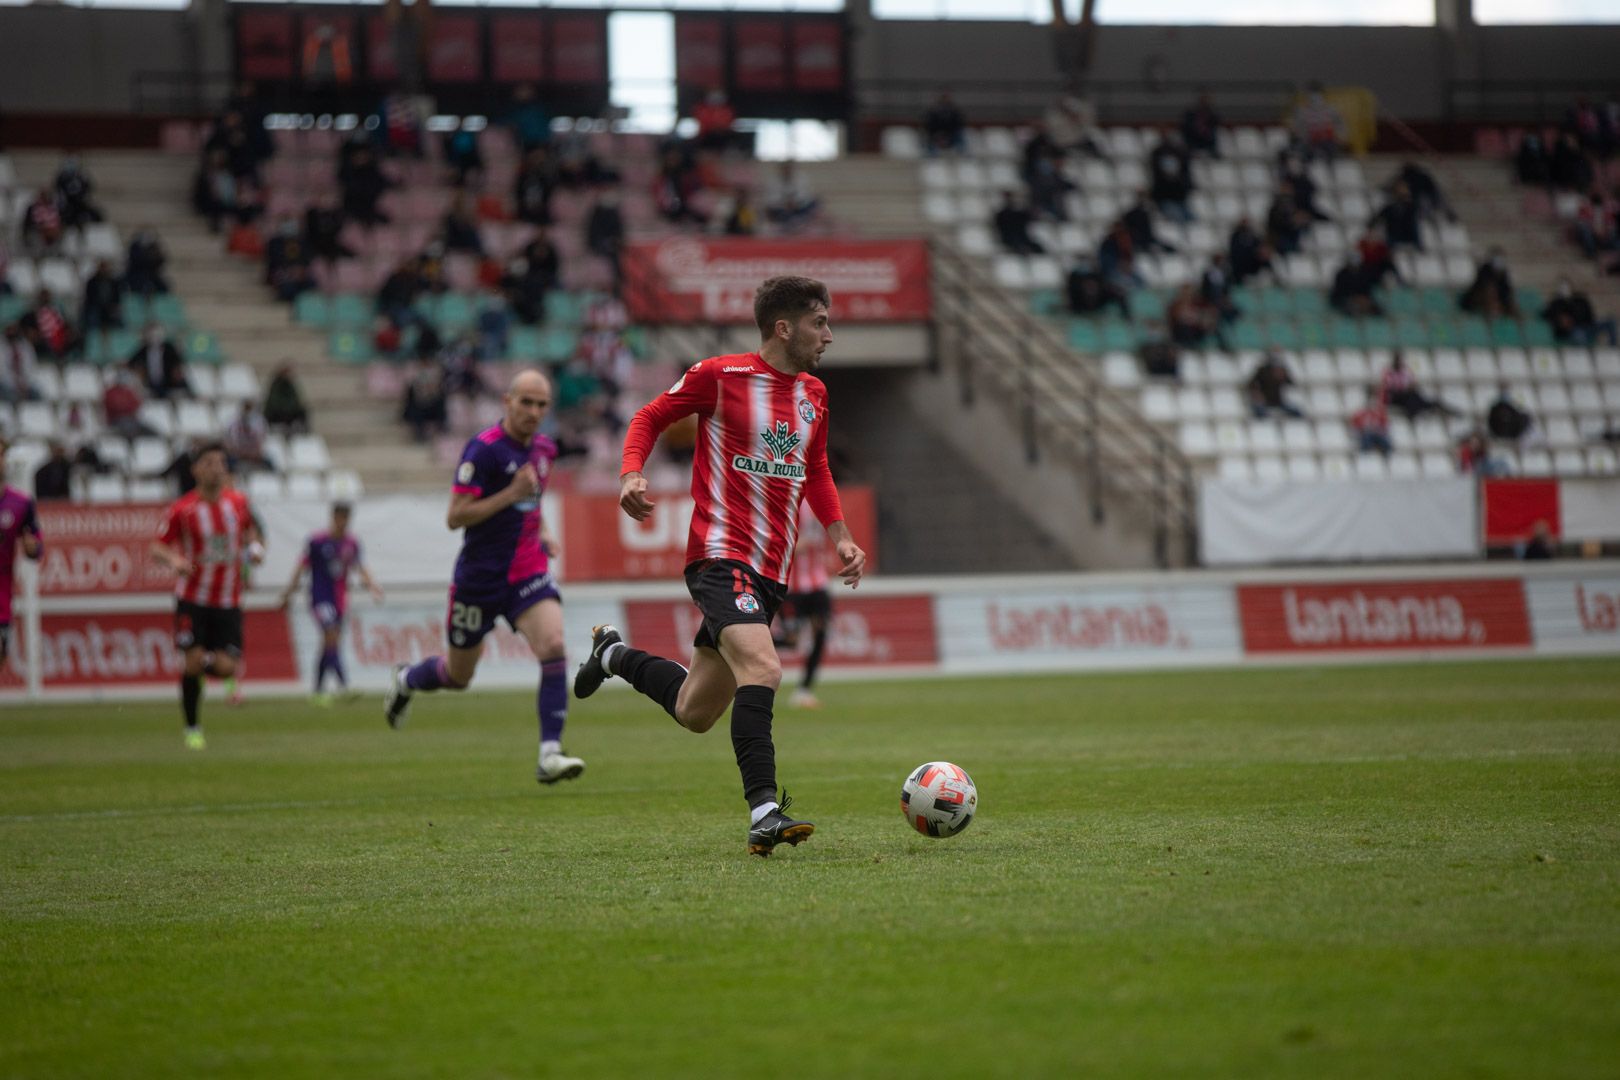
(1505, 419)
(430, 274)
(1089, 292)
(42, 224)
(48, 328)
(244, 441)
(526, 282)
(462, 155)
(788, 200)
(535, 185)
(363, 183)
(1474, 455)
(246, 104)
(73, 187)
(715, 117)
(323, 226)
(1191, 320)
(604, 232)
(396, 299)
(1352, 291)
(1139, 222)
(744, 219)
(1012, 222)
(1570, 168)
(1572, 319)
(1248, 252)
(1071, 123)
(1043, 172)
(121, 406)
(494, 325)
(675, 187)
(528, 119)
(1215, 289)
(1491, 294)
(1172, 183)
(19, 363)
(1400, 391)
(1424, 189)
(230, 140)
(1541, 545)
(577, 165)
(221, 195)
(1200, 128)
(102, 308)
(1597, 224)
(1377, 260)
(159, 365)
(1116, 258)
(424, 408)
(1399, 219)
(54, 478)
(401, 129)
(1285, 223)
(1371, 424)
(459, 230)
(284, 407)
(179, 471)
(5, 268)
(1318, 126)
(944, 127)
(1296, 177)
(287, 268)
(1267, 387)
(1531, 162)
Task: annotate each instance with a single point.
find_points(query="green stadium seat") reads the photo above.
(523, 344)
(1474, 333)
(201, 347)
(1444, 331)
(1313, 332)
(11, 308)
(313, 309)
(1044, 302)
(111, 348)
(1506, 332)
(1309, 301)
(1345, 333)
(1277, 303)
(636, 338)
(1247, 298)
(1403, 301)
(1530, 302)
(168, 310)
(565, 308)
(1118, 336)
(1146, 304)
(1537, 334)
(350, 346)
(1246, 334)
(453, 312)
(1378, 334)
(557, 344)
(134, 309)
(352, 310)
(1438, 300)
(1281, 334)
(1083, 336)
(1411, 332)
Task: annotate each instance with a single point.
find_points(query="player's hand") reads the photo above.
(283, 602)
(633, 496)
(255, 553)
(184, 567)
(548, 545)
(525, 482)
(853, 563)
(377, 593)
(31, 545)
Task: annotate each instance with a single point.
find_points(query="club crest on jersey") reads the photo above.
(780, 441)
(7, 519)
(747, 604)
(807, 412)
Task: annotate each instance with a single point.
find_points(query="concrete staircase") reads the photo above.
(224, 295)
(869, 194)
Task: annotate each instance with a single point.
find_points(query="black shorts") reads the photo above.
(5, 641)
(808, 605)
(727, 592)
(212, 628)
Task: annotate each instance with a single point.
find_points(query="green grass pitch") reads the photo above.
(1312, 872)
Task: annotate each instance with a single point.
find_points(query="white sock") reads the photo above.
(550, 746)
(609, 654)
(759, 812)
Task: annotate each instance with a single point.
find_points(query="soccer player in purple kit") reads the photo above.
(502, 570)
(330, 557)
(18, 525)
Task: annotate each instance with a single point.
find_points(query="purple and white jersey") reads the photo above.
(330, 560)
(16, 518)
(505, 548)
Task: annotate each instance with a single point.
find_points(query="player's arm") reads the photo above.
(253, 537)
(548, 541)
(32, 543)
(172, 557)
(365, 577)
(822, 495)
(693, 392)
(469, 506)
(292, 586)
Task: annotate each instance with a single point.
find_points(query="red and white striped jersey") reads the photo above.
(212, 536)
(812, 557)
(761, 449)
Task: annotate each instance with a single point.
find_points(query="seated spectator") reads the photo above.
(544, 260)
(232, 139)
(1012, 222)
(284, 409)
(788, 201)
(1474, 456)
(73, 187)
(1491, 294)
(677, 184)
(121, 406)
(494, 325)
(1248, 253)
(42, 224)
(1318, 126)
(1400, 390)
(396, 299)
(578, 166)
(459, 230)
(1377, 260)
(401, 133)
(528, 119)
(19, 363)
(5, 268)
(363, 183)
(1531, 162)
(1597, 224)
(1172, 182)
(1161, 357)
(143, 264)
(1296, 177)
(244, 441)
(1505, 420)
(1139, 221)
(1541, 544)
(179, 472)
(462, 156)
(535, 185)
(525, 291)
(287, 268)
(1371, 424)
(102, 308)
(604, 229)
(1071, 123)
(323, 226)
(1089, 292)
(744, 217)
(1399, 219)
(425, 400)
(1215, 289)
(54, 478)
(1044, 175)
(715, 117)
(219, 195)
(1191, 320)
(1200, 128)
(1285, 223)
(1116, 258)
(48, 328)
(1352, 291)
(1572, 319)
(159, 365)
(944, 127)
(1266, 389)
(1570, 168)
(1424, 189)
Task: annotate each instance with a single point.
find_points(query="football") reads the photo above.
(939, 799)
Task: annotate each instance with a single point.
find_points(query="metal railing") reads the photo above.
(1061, 404)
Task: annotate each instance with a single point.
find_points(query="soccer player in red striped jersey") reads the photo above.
(206, 537)
(761, 449)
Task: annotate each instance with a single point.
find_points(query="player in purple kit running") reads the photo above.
(502, 570)
(18, 523)
(330, 557)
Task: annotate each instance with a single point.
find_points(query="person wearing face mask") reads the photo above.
(1491, 294)
(1572, 319)
(158, 364)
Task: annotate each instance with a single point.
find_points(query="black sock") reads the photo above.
(190, 694)
(813, 661)
(654, 676)
(751, 740)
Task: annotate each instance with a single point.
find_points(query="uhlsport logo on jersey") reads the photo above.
(780, 441)
(747, 604)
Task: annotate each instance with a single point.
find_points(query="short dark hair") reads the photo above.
(209, 447)
(342, 508)
(787, 298)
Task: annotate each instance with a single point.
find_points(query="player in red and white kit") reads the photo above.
(761, 449)
(206, 537)
(808, 604)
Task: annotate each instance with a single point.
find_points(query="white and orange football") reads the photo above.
(939, 799)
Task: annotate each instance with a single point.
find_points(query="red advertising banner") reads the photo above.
(342, 27)
(264, 44)
(101, 549)
(760, 53)
(700, 51)
(602, 543)
(818, 55)
(1350, 616)
(380, 62)
(86, 650)
(698, 279)
(517, 48)
(579, 48)
(866, 631)
(455, 51)
(1513, 507)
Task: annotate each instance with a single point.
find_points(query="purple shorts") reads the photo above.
(473, 611)
(328, 616)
